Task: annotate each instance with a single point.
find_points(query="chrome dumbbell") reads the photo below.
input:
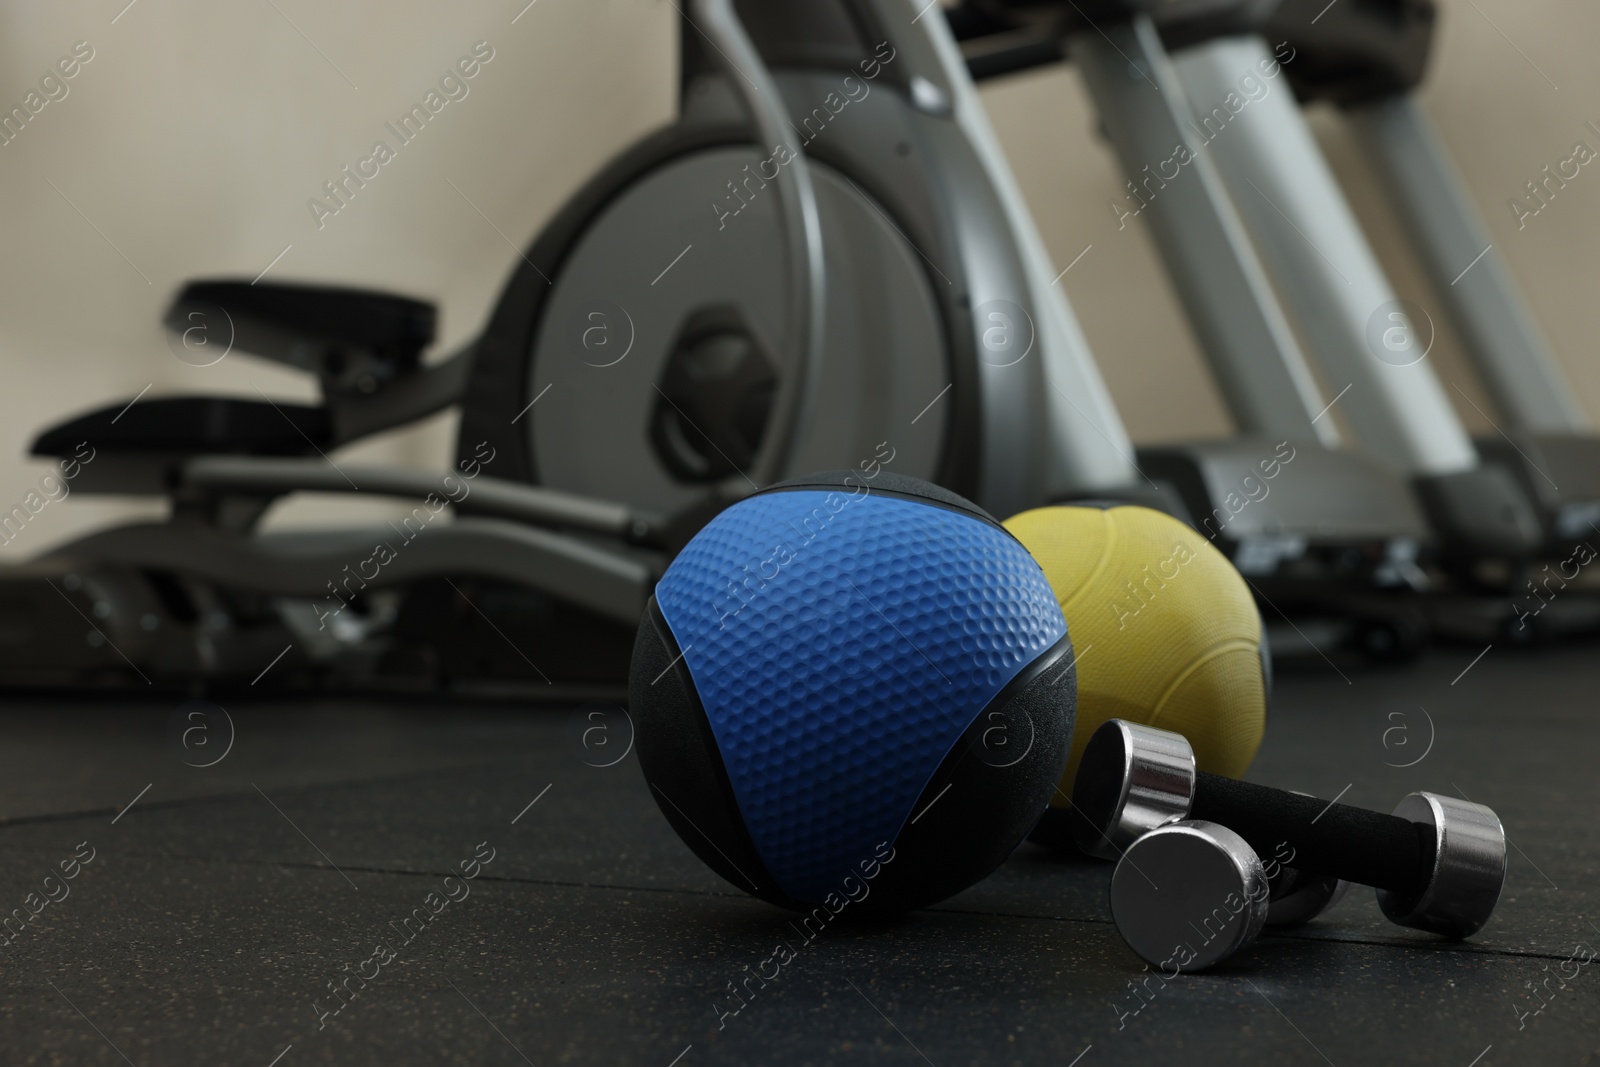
(1298, 896)
(1189, 894)
(1437, 863)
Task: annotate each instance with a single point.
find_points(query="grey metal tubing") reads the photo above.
(1502, 338)
(484, 495)
(1243, 332)
(1327, 272)
(1086, 446)
(791, 408)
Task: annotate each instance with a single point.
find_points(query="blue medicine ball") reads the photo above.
(854, 692)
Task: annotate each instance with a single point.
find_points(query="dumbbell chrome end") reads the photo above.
(1188, 895)
(1131, 779)
(1469, 867)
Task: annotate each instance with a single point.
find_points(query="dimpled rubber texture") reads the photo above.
(871, 632)
(1175, 631)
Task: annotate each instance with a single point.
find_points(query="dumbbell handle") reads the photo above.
(1366, 847)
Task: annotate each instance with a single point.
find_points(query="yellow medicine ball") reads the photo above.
(1164, 628)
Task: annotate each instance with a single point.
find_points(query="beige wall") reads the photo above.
(194, 137)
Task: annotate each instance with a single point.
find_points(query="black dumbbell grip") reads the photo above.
(1365, 847)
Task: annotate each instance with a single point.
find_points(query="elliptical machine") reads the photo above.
(1368, 61)
(1324, 533)
(1248, 180)
(824, 263)
(1496, 511)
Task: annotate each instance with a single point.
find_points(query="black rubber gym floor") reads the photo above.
(211, 908)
